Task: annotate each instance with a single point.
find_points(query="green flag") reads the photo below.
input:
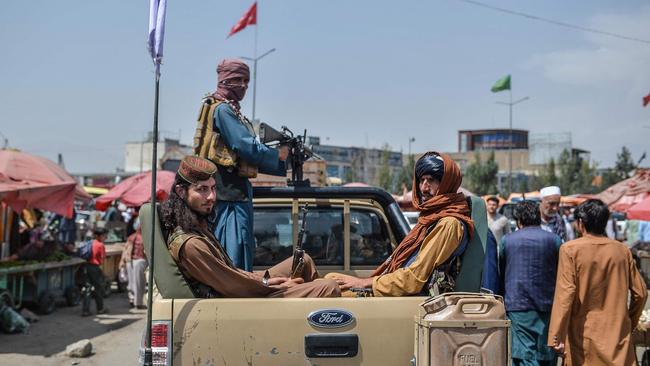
(501, 84)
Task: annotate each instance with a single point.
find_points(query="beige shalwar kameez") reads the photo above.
(590, 308)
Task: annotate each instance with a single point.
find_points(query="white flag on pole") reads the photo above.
(156, 31)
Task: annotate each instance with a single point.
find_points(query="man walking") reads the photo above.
(135, 262)
(529, 261)
(94, 274)
(591, 322)
(227, 138)
(550, 207)
(498, 223)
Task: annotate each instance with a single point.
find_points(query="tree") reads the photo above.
(384, 176)
(576, 174)
(609, 177)
(481, 177)
(624, 163)
(406, 175)
(548, 176)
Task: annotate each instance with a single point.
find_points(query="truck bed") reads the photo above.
(273, 331)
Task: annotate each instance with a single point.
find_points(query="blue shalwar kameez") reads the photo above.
(528, 259)
(234, 208)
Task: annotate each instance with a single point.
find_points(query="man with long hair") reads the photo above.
(427, 259)
(201, 258)
(599, 295)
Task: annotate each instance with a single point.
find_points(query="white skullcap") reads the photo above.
(550, 191)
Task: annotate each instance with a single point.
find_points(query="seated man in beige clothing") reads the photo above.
(201, 258)
(425, 262)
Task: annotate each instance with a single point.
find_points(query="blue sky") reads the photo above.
(76, 77)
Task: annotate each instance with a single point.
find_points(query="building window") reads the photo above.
(333, 171)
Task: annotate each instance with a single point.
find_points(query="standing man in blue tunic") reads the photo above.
(226, 137)
(529, 258)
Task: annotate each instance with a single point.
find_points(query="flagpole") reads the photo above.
(148, 357)
(510, 146)
(157, 10)
(255, 67)
(254, 61)
(510, 104)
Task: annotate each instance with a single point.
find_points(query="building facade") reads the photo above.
(529, 153)
(357, 164)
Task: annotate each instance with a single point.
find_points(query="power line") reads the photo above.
(556, 22)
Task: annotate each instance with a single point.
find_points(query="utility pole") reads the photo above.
(254, 60)
(510, 104)
(411, 139)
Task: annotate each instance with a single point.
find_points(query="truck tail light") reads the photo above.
(161, 338)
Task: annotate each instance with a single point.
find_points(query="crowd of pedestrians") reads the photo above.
(567, 297)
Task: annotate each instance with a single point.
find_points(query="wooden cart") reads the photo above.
(42, 283)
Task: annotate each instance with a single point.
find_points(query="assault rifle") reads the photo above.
(298, 262)
(298, 152)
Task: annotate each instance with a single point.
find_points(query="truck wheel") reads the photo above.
(107, 288)
(72, 296)
(46, 303)
(6, 298)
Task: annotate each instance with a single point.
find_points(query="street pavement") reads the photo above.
(115, 336)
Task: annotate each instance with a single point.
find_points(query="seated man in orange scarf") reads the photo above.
(426, 261)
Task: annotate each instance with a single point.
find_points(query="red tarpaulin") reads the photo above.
(640, 211)
(626, 193)
(28, 181)
(136, 190)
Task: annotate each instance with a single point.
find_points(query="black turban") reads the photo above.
(430, 164)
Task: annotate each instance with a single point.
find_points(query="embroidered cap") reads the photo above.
(194, 169)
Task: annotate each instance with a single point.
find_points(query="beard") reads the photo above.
(176, 213)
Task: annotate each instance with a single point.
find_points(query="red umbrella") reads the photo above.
(136, 190)
(640, 211)
(28, 181)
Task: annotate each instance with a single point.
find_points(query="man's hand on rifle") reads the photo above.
(284, 283)
(283, 152)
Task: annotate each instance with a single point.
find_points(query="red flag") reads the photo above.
(646, 100)
(250, 18)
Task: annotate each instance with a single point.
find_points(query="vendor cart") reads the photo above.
(42, 283)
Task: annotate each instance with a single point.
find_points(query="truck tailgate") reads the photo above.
(277, 331)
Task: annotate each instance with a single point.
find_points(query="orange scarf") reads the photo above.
(447, 202)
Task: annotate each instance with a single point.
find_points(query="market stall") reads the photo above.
(33, 182)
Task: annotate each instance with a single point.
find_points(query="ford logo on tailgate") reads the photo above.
(330, 318)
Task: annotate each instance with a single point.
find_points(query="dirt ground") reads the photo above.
(115, 336)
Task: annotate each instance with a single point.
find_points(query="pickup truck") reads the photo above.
(349, 230)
